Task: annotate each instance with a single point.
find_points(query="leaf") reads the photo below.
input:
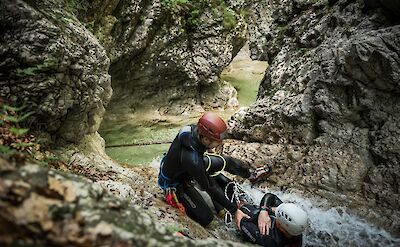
(24, 144)
(18, 131)
(12, 108)
(25, 116)
(18, 119)
(11, 118)
(6, 150)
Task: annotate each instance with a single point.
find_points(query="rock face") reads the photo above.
(44, 207)
(328, 108)
(54, 66)
(168, 53)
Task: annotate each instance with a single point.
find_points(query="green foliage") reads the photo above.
(194, 18)
(245, 13)
(191, 11)
(76, 6)
(301, 51)
(12, 135)
(18, 131)
(229, 21)
(32, 71)
(7, 150)
(174, 4)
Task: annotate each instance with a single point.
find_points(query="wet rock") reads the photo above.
(330, 99)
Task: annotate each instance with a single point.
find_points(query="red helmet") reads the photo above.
(211, 125)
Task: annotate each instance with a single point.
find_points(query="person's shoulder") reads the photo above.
(185, 129)
(185, 136)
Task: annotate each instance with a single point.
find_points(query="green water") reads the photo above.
(245, 75)
(137, 154)
(120, 132)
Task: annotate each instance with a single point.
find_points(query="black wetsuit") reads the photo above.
(184, 163)
(275, 238)
(215, 163)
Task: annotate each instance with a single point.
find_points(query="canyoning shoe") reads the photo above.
(260, 174)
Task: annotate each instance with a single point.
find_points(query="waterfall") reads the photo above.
(332, 226)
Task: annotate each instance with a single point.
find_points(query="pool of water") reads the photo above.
(243, 73)
(139, 136)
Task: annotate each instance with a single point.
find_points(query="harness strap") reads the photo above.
(163, 181)
(209, 163)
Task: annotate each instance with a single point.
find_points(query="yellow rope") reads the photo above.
(209, 163)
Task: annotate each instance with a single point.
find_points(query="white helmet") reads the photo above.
(292, 218)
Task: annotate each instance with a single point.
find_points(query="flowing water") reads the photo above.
(333, 226)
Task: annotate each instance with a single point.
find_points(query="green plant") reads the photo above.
(76, 6)
(175, 5)
(12, 135)
(301, 51)
(189, 11)
(194, 18)
(32, 71)
(245, 13)
(229, 21)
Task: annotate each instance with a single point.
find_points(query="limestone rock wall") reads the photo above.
(328, 111)
(41, 206)
(52, 64)
(166, 53)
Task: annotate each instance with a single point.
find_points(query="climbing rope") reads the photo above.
(239, 195)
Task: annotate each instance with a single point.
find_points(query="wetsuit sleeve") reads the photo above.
(270, 200)
(193, 164)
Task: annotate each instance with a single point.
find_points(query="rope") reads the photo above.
(138, 144)
(238, 195)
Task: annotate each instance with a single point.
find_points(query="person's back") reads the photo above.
(185, 146)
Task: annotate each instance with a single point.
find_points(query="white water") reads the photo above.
(328, 226)
(333, 226)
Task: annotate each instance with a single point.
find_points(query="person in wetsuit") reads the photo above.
(273, 223)
(185, 163)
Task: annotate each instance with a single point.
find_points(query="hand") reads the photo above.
(239, 215)
(264, 222)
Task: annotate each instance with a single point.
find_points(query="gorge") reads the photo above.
(326, 114)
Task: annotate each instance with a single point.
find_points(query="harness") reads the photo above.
(209, 163)
(163, 181)
(169, 187)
